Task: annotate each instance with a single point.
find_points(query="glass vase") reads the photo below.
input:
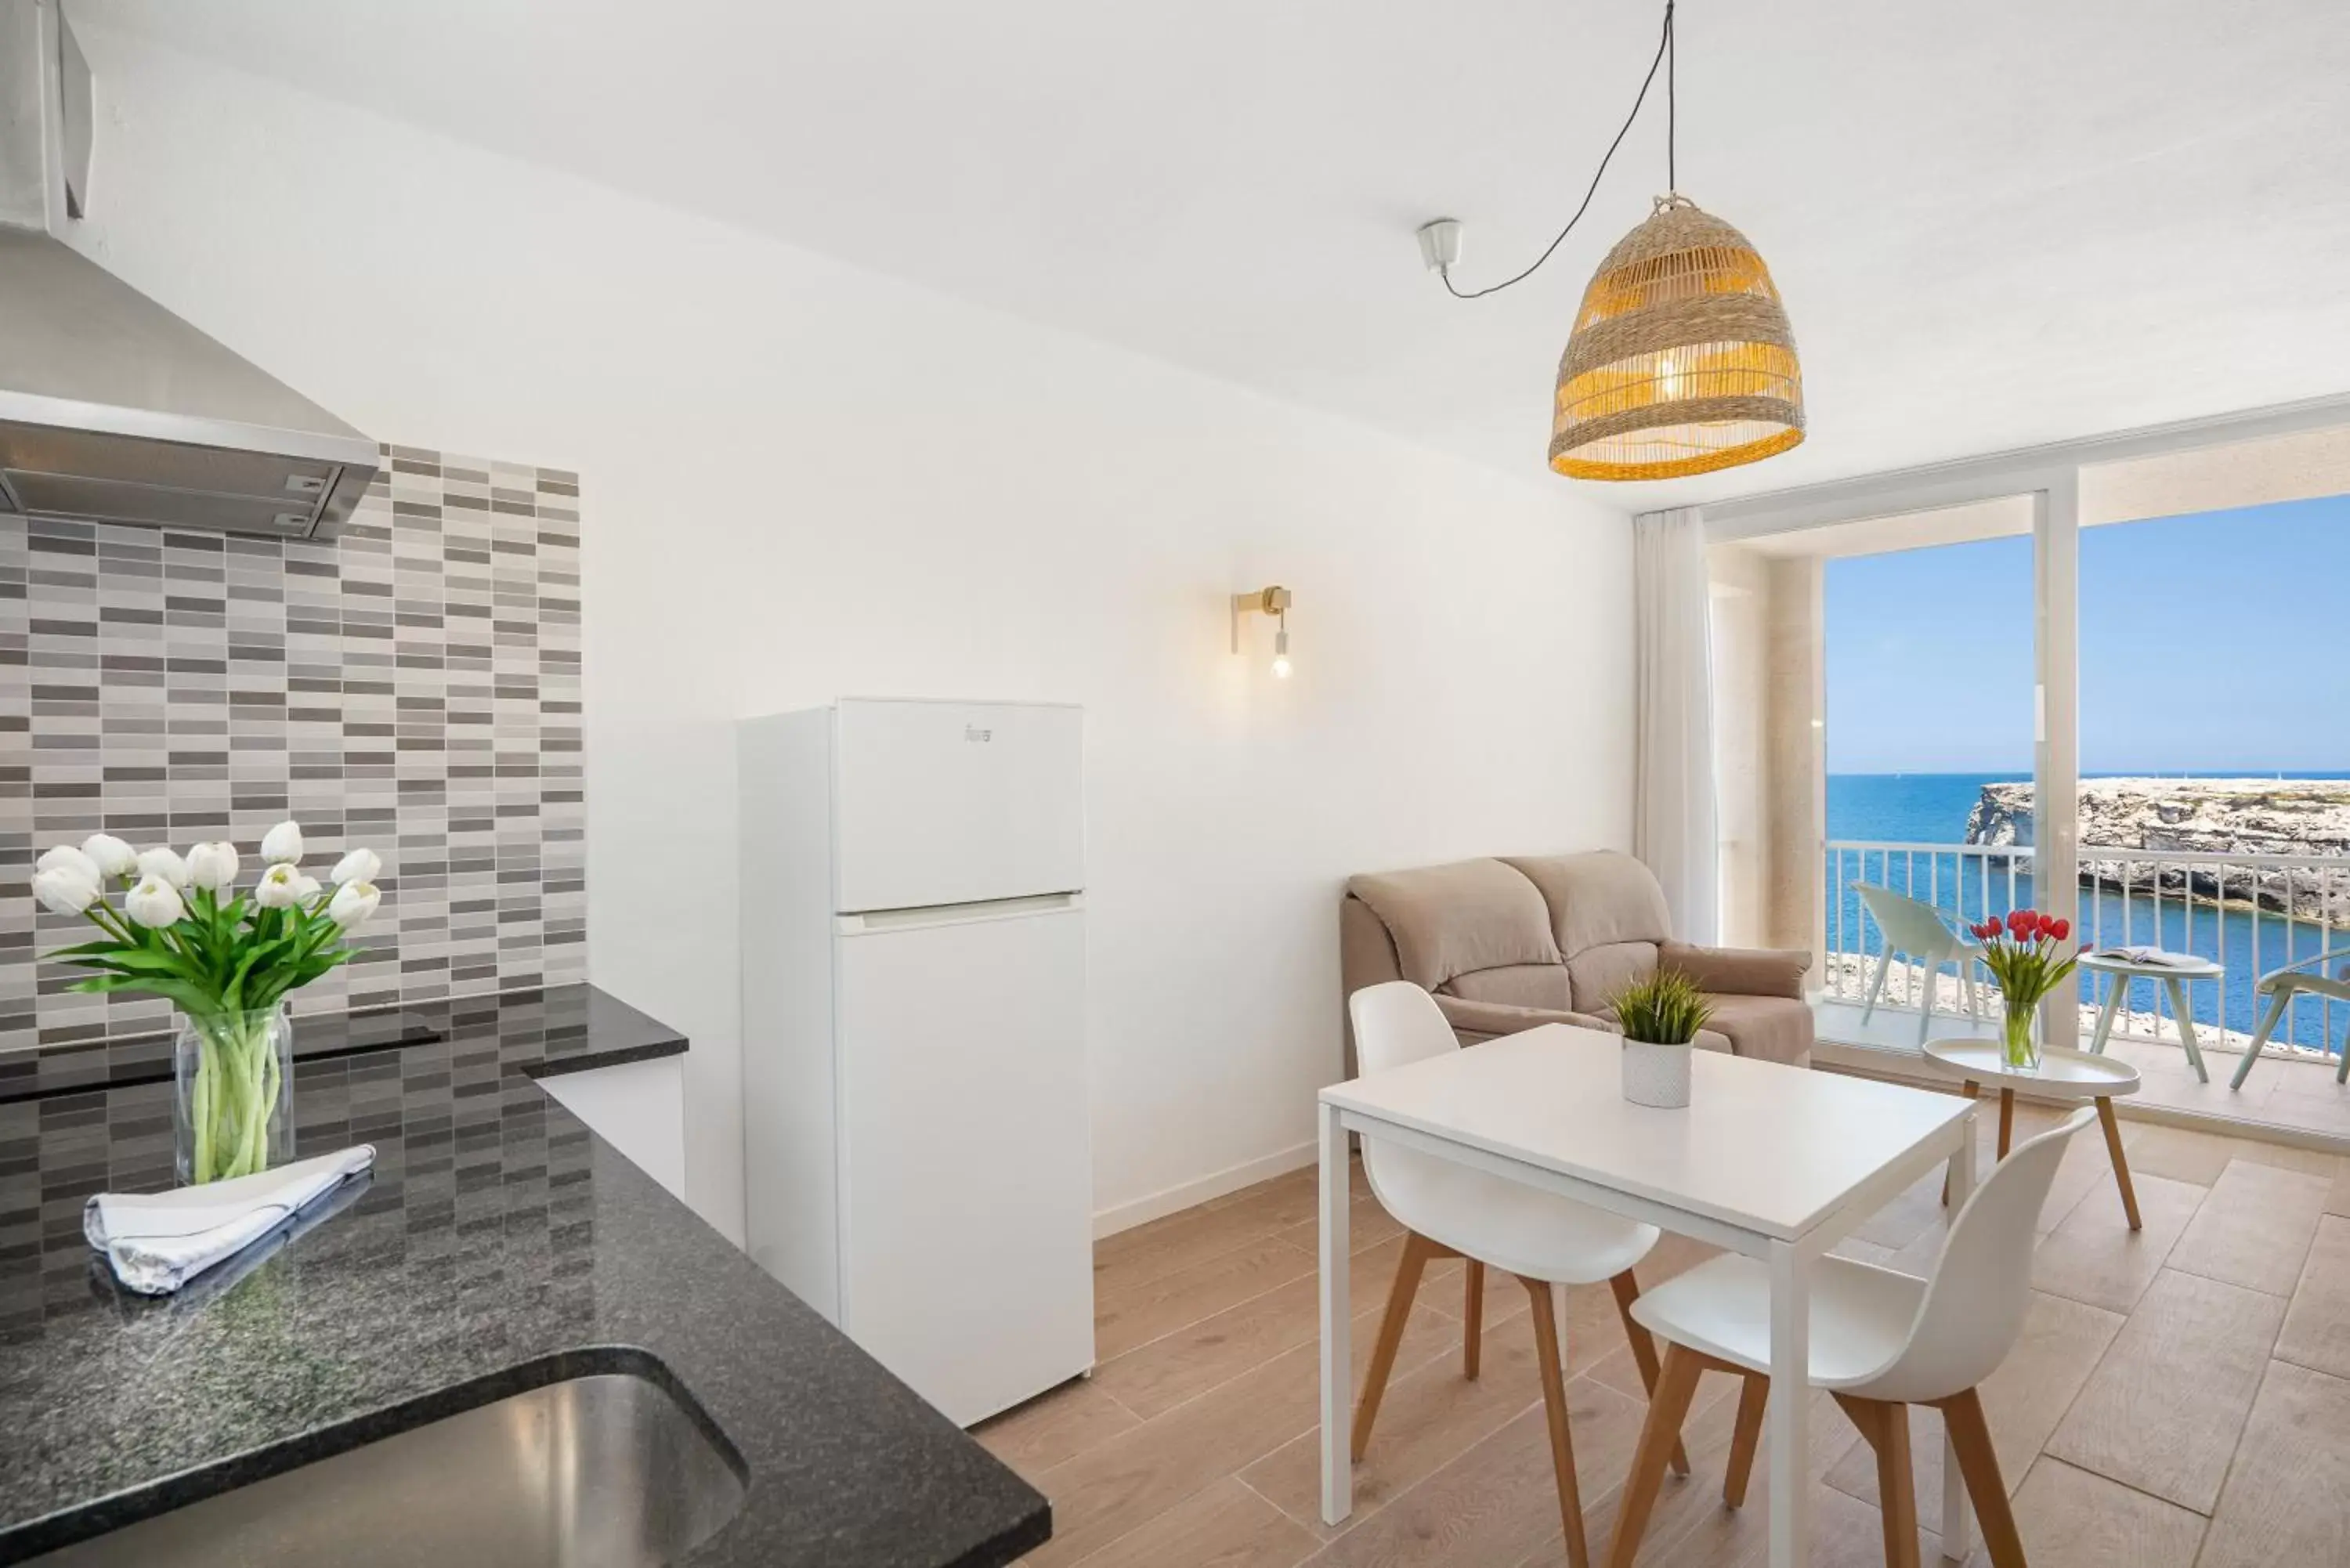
(2020, 1040)
(233, 1111)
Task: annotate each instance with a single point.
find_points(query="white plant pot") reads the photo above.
(1657, 1074)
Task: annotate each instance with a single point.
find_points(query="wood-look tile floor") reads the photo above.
(2180, 1396)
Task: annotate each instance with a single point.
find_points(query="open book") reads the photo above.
(2155, 955)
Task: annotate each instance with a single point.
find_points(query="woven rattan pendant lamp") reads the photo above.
(1682, 360)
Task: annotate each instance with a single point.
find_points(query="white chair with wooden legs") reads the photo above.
(1451, 1211)
(1911, 926)
(1880, 1341)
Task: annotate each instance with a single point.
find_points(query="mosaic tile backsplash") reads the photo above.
(411, 685)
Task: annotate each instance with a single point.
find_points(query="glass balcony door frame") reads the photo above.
(2051, 476)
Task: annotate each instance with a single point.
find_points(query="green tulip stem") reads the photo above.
(200, 1109)
(238, 1083)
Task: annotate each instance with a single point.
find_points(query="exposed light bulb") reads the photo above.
(1280, 654)
(1281, 665)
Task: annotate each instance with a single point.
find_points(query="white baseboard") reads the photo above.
(1185, 1195)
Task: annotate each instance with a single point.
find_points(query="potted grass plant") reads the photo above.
(227, 958)
(1660, 1015)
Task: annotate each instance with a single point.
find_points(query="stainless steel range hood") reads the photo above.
(113, 410)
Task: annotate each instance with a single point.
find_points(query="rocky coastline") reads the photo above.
(2300, 818)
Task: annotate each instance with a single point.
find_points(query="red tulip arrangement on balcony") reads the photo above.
(2026, 954)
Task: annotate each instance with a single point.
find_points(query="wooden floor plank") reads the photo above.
(2168, 1403)
(1621, 1372)
(1368, 1225)
(1691, 1524)
(1131, 1315)
(1428, 1420)
(1845, 1533)
(1498, 1501)
(1224, 1526)
(1187, 1363)
(2316, 1332)
(2095, 1257)
(1055, 1427)
(2285, 1502)
(2071, 1518)
(1177, 1242)
(1117, 1487)
(2061, 1345)
(2254, 1228)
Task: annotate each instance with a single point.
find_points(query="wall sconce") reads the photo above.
(1275, 602)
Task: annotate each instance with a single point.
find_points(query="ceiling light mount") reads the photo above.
(1440, 245)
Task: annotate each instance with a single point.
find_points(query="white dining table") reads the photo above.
(1778, 1163)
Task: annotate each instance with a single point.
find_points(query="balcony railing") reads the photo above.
(2253, 913)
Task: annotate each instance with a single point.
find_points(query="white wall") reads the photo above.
(802, 480)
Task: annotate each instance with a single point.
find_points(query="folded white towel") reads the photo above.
(158, 1241)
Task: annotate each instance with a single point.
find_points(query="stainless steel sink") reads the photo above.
(599, 1471)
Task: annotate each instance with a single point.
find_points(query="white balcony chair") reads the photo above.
(2307, 978)
(1880, 1341)
(1914, 929)
(1450, 1210)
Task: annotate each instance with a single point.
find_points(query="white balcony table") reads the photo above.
(2175, 974)
(1778, 1163)
(2061, 1075)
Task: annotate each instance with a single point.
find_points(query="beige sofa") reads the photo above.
(1507, 944)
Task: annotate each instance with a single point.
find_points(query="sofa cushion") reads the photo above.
(1773, 1028)
(1516, 985)
(1453, 919)
(1600, 972)
(1597, 899)
(1740, 972)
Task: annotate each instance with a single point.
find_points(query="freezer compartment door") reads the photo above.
(955, 803)
(967, 1178)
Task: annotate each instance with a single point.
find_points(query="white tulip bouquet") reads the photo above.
(226, 958)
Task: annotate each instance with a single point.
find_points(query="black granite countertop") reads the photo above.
(498, 1244)
(562, 1029)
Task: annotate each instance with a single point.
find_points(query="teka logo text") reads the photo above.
(973, 733)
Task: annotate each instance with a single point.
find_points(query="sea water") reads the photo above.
(1932, 808)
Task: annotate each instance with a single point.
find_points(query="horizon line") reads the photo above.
(2313, 774)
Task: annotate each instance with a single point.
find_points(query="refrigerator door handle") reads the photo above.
(874, 921)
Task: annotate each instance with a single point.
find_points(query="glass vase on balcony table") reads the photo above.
(233, 1099)
(2026, 955)
(2021, 1039)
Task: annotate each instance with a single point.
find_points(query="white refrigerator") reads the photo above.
(915, 1113)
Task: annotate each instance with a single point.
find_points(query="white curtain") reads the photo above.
(1673, 808)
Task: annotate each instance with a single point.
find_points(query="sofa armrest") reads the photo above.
(1501, 1018)
(1740, 972)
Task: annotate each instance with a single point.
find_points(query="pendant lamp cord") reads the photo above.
(1666, 56)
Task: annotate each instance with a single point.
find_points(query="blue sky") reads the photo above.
(2209, 643)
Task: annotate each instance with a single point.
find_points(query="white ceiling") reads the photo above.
(1995, 224)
